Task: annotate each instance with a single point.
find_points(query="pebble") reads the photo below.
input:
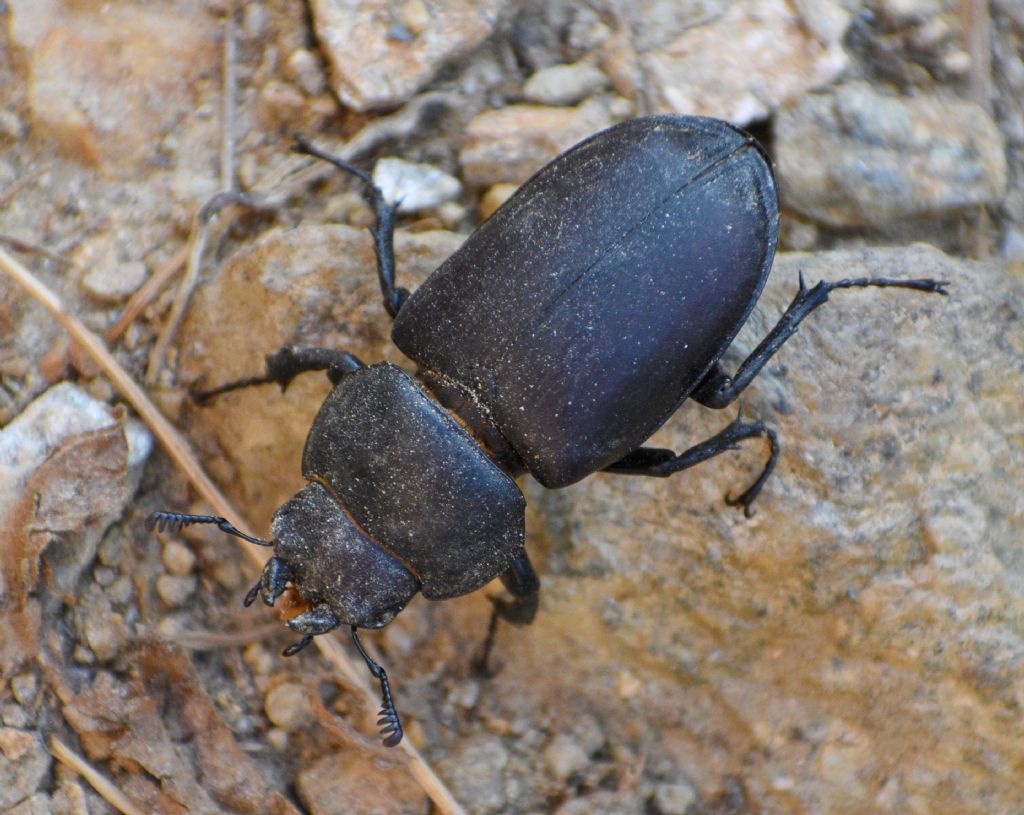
(105, 635)
(104, 575)
(24, 687)
(287, 706)
(14, 743)
(415, 187)
(451, 213)
(228, 574)
(282, 101)
(603, 802)
(564, 756)
(1013, 245)
(14, 716)
(12, 126)
(278, 739)
(112, 284)
(121, 590)
(175, 590)
(465, 695)
(258, 659)
(673, 799)
(564, 84)
(178, 558)
(303, 68)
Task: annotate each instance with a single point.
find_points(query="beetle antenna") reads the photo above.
(390, 725)
(162, 521)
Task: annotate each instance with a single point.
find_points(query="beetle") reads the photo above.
(560, 336)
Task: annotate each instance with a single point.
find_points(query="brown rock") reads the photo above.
(107, 87)
(511, 144)
(382, 52)
(349, 782)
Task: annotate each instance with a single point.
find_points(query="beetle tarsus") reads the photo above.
(252, 594)
(389, 722)
(748, 496)
(295, 647)
(718, 390)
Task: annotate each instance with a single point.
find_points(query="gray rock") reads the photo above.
(474, 771)
(25, 764)
(856, 157)
(63, 416)
(882, 567)
(737, 61)
(564, 84)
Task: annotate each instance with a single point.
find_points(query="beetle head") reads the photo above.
(332, 563)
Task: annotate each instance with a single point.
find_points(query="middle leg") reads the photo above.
(286, 364)
(522, 583)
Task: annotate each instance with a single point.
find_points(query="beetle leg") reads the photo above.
(661, 463)
(522, 583)
(286, 364)
(718, 390)
(383, 233)
(388, 721)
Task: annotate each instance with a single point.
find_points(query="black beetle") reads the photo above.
(566, 330)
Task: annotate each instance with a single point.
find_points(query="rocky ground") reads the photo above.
(857, 645)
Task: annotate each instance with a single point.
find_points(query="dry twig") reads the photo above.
(181, 454)
(99, 782)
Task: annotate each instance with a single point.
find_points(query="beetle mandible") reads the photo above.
(561, 335)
